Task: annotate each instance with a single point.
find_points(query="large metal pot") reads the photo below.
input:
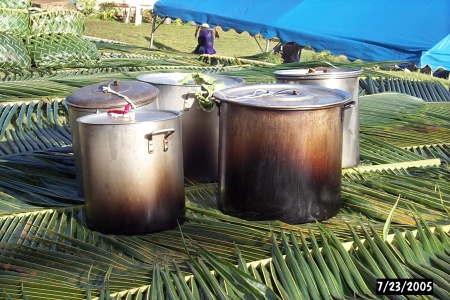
(200, 128)
(280, 151)
(101, 97)
(132, 171)
(342, 79)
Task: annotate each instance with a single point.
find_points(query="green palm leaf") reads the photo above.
(211, 259)
(47, 251)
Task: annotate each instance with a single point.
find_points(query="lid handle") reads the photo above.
(108, 89)
(261, 93)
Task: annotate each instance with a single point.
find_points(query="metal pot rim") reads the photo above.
(292, 74)
(140, 116)
(175, 78)
(282, 96)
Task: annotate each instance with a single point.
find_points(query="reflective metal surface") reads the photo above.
(132, 172)
(93, 99)
(277, 163)
(200, 128)
(343, 79)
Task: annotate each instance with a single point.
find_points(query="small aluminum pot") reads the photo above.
(342, 79)
(101, 97)
(200, 128)
(280, 151)
(132, 171)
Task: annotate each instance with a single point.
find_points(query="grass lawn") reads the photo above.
(179, 37)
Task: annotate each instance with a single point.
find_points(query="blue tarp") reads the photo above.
(371, 30)
(438, 56)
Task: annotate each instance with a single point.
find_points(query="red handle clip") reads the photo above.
(120, 111)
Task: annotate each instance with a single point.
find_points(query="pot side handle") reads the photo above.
(349, 105)
(167, 132)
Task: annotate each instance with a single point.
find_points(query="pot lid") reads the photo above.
(98, 96)
(283, 96)
(177, 78)
(141, 115)
(318, 73)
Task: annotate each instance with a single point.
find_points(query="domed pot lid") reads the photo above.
(113, 94)
(283, 96)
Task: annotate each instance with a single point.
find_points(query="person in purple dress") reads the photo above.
(201, 46)
(209, 34)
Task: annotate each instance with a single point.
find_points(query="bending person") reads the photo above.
(209, 34)
(290, 52)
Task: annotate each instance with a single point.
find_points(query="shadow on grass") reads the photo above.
(159, 45)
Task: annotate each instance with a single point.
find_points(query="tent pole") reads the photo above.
(153, 31)
(267, 45)
(258, 43)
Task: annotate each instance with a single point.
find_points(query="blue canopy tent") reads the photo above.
(371, 30)
(438, 56)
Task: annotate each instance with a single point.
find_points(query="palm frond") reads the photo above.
(47, 249)
(407, 123)
(33, 126)
(306, 272)
(429, 91)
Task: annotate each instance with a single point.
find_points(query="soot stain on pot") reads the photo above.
(161, 210)
(144, 198)
(284, 175)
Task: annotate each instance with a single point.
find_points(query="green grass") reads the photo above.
(180, 37)
(172, 37)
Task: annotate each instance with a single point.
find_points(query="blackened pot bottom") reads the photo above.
(285, 214)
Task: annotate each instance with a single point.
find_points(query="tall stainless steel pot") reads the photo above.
(343, 79)
(280, 151)
(200, 128)
(132, 171)
(101, 97)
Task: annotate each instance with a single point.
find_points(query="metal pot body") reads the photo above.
(200, 128)
(93, 100)
(280, 162)
(343, 79)
(132, 172)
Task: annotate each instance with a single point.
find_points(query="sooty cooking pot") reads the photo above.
(101, 97)
(346, 79)
(132, 171)
(200, 128)
(280, 151)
